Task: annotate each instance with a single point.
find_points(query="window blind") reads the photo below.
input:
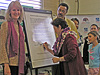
(36, 4)
(4, 3)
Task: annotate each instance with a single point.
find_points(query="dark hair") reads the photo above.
(64, 4)
(94, 33)
(94, 25)
(75, 19)
(59, 21)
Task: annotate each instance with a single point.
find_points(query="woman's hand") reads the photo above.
(45, 45)
(55, 59)
(7, 69)
(58, 59)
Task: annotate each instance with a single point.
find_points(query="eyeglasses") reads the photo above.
(61, 10)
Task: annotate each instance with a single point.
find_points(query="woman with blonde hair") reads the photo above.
(12, 41)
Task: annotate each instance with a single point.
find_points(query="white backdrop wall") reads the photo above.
(85, 21)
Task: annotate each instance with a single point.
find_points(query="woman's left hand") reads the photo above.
(7, 69)
(55, 59)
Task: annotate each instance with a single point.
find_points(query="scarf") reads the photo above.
(61, 38)
(14, 46)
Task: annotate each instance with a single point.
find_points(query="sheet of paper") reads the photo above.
(39, 30)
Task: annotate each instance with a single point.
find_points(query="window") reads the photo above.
(36, 4)
(4, 3)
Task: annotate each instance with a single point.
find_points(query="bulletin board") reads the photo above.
(39, 30)
(85, 21)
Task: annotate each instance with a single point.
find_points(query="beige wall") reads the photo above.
(85, 6)
(89, 7)
(51, 5)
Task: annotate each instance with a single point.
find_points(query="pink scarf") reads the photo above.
(60, 40)
(14, 46)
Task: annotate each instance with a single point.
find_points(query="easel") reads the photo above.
(29, 17)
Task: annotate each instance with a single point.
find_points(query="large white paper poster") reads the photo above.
(39, 30)
(85, 21)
